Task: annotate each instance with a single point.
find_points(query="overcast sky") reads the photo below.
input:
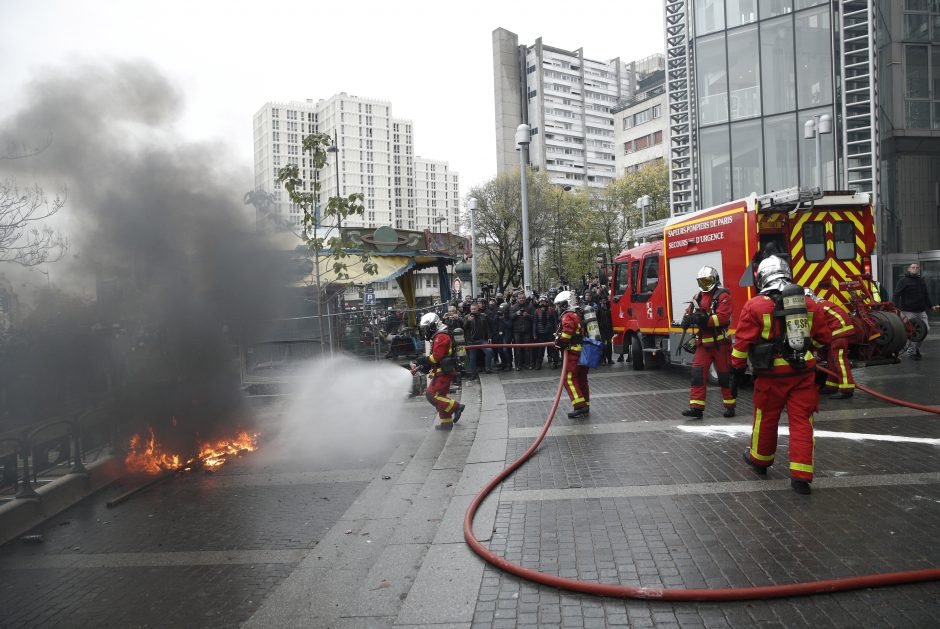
(431, 60)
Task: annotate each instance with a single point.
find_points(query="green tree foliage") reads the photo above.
(338, 207)
(617, 215)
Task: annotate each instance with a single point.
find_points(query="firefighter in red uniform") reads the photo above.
(710, 312)
(775, 329)
(568, 338)
(844, 332)
(441, 365)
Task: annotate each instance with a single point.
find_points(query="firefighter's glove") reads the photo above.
(686, 322)
(560, 343)
(699, 319)
(424, 364)
(739, 374)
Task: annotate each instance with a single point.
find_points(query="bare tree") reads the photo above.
(24, 237)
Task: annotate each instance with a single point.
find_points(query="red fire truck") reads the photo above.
(828, 239)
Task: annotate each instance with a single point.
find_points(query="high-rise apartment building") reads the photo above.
(374, 156)
(566, 99)
(745, 76)
(640, 130)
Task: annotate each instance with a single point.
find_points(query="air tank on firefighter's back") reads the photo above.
(590, 322)
(460, 344)
(793, 299)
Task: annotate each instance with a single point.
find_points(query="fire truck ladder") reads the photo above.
(680, 99)
(860, 135)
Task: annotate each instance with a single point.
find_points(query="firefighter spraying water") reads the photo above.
(441, 365)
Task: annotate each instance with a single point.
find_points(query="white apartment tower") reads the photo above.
(374, 156)
(566, 99)
(640, 130)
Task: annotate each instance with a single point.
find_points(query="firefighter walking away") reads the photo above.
(710, 313)
(441, 366)
(775, 330)
(568, 339)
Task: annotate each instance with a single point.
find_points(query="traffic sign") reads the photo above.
(369, 289)
(369, 299)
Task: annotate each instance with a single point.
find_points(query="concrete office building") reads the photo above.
(640, 129)
(376, 158)
(744, 76)
(566, 99)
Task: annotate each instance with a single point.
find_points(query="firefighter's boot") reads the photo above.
(694, 413)
(758, 469)
(584, 411)
(800, 486)
(729, 412)
(446, 424)
(458, 412)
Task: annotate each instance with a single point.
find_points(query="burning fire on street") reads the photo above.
(146, 454)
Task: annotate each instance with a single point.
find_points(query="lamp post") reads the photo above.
(812, 129)
(334, 148)
(523, 138)
(641, 204)
(472, 207)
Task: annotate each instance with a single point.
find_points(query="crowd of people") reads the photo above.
(513, 317)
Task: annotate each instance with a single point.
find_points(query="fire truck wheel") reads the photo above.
(919, 330)
(636, 353)
(893, 334)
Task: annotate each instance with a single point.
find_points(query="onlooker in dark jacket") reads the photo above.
(522, 330)
(606, 325)
(911, 297)
(478, 332)
(544, 323)
(502, 333)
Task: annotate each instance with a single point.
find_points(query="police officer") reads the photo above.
(775, 329)
(568, 338)
(710, 313)
(441, 365)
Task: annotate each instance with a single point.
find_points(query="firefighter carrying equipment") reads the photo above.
(430, 325)
(575, 377)
(442, 368)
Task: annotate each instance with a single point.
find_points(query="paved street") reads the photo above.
(636, 495)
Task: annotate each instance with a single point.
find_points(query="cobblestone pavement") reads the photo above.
(201, 550)
(637, 495)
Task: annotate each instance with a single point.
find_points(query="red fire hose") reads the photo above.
(627, 591)
(886, 398)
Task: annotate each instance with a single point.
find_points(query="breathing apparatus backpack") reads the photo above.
(458, 349)
(792, 340)
(592, 347)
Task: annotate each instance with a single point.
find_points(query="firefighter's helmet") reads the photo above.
(773, 273)
(431, 324)
(566, 300)
(707, 278)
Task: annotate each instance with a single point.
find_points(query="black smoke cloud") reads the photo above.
(159, 226)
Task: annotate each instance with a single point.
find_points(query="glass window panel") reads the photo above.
(915, 5)
(634, 275)
(777, 61)
(650, 273)
(814, 241)
(936, 115)
(620, 281)
(808, 152)
(780, 153)
(936, 28)
(935, 67)
(712, 80)
(747, 159)
(741, 12)
(915, 60)
(715, 165)
(918, 114)
(843, 233)
(709, 16)
(803, 4)
(916, 27)
(813, 58)
(743, 73)
(771, 8)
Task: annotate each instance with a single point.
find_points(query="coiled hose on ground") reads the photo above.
(628, 591)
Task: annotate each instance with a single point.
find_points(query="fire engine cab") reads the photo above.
(827, 238)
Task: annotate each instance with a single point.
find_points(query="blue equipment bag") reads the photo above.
(591, 352)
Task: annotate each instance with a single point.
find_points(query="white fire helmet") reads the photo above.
(430, 325)
(707, 278)
(773, 273)
(566, 300)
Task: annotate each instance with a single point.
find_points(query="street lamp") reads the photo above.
(558, 256)
(641, 204)
(812, 129)
(472, 207)
(523, 137)
(334, 148)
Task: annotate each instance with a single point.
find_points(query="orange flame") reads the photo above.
(145, 454)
